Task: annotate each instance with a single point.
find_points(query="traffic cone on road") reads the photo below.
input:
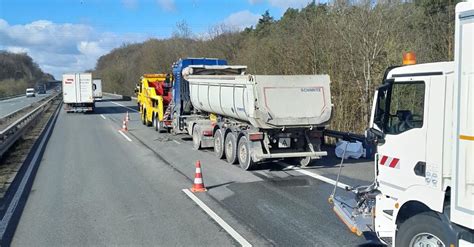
(198, 185)
(127, 117)
(124, 126)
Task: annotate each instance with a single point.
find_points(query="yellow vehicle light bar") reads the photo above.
(154, 75)
(466, 137)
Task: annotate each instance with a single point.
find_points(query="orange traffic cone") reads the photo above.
(127, 117)
(124, 126)
(198, 185)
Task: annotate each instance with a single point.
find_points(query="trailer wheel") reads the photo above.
(196, 137)
(304, 161)
(423, 229)
(230, 145)
(243, 152)
(219, 144)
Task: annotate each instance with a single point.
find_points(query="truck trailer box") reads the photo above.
(78, 92)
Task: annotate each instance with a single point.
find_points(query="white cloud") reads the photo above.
(284, 4)
(167, 5)
(59, 48)
(241, 19)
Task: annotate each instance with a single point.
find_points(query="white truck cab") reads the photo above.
(422, 122)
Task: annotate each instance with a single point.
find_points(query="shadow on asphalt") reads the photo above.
(124, 98)
(112, 110)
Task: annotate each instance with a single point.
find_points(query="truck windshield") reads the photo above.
(400, 107)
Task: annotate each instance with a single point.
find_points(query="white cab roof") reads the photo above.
(425, 68)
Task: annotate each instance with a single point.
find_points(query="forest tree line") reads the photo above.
(353, 41)
(18, 72)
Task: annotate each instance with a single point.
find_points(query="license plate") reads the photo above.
(284, 142)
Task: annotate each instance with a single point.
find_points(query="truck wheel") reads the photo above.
(161, 126)
(143, 116)
(230, 145)
(304, 161)
(424, 229)
(243, 152)
(219, 144)
(155, 123)
(196, 137)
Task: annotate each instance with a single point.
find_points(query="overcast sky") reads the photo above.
(69, 35)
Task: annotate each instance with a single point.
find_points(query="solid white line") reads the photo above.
(126, 137)
(123, 106)
(102, 116)
(177, 142)
(319, 177)
(218, 219)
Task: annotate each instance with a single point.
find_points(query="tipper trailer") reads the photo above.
(78, 93)
(252, 118)
(422, 120)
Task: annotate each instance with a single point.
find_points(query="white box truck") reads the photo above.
(78, 93)
(422, 120)
(97, 87)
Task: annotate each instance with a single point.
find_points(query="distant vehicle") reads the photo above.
(41, 89)
(78, 92)
(30, 92)
(97, 88)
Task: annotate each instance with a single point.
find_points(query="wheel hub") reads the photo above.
(426, 240)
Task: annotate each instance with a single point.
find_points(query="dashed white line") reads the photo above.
(177, 142)
(317, 176)
(218, 219)
(102, 116)
(131, 109)
(126, 137)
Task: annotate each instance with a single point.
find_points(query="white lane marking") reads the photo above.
(317, 176)
(123, 106)
(218, 219)
(126, 137)
(177, 142)
(102, 116)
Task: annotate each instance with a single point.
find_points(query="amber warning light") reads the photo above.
(409, 58)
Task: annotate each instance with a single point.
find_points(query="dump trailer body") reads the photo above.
(265, 101)
(252, 118)
(78, 92)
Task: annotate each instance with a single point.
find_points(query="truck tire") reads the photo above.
(196, 137)
(243, 153)
(424, 229)
(161, 126)
(219, 144)
(304, 161)
(143, 115)
(230, 145)
(155, 123)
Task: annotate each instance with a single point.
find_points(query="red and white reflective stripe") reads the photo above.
(390, 162)
(198, 180)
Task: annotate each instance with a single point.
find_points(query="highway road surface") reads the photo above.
(98, 186)
(11, 105)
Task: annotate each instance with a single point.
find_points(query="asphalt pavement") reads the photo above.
(97, 186)
(11, 105)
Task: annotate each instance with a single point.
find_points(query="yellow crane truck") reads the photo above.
(154, 94)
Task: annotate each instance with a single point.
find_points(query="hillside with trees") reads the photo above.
(18, 72)
(353, 41)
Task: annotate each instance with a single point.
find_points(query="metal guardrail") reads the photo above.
(15, 130)
(11, 96)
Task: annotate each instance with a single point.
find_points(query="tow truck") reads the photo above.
(154, 94)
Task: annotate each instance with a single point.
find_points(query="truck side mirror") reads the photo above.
(375, 136)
